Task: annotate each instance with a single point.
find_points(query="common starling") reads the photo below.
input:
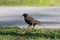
(30, 20)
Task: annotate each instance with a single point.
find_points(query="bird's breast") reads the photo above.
(27, 21)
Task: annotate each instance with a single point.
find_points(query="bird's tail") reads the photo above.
(40, 24)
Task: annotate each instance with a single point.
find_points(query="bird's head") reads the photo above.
(25, 14)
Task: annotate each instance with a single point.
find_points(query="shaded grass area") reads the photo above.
(30, 2)
(14, 33)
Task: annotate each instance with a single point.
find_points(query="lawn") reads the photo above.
(29, 2)
(14, 33)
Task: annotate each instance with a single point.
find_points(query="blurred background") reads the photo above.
(11, 16)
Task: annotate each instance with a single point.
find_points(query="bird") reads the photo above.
(30, 20)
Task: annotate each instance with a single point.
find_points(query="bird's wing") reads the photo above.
(31, 19)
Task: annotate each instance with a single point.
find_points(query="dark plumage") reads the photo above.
(29, 20)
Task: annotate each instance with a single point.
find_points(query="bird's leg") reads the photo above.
(29, 25)
(33, 25)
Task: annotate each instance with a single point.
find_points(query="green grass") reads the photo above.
(29, 2)
(14, 33)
